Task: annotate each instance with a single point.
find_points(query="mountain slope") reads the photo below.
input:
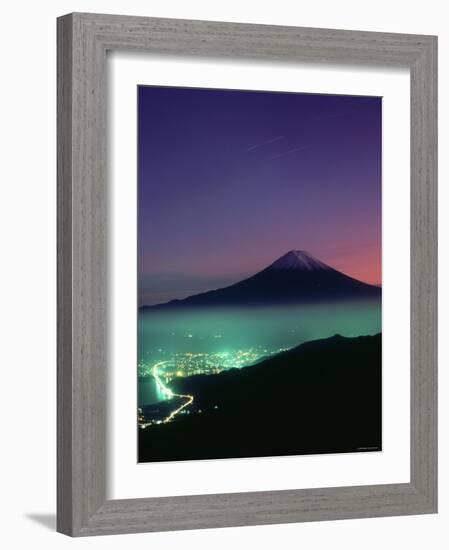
(323, 396)
(296, 277)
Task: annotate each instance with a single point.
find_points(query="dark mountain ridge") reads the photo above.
(296, 277)
(323, 396)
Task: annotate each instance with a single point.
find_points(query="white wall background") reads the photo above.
(27, 289)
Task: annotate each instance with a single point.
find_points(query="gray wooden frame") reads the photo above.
(83, 40)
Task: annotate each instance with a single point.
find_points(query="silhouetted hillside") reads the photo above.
(323, 396)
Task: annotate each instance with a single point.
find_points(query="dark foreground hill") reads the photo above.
(295, 277)
(322, 397)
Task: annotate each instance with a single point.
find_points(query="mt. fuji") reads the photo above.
(296, 277)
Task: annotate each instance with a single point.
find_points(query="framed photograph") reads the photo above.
(222, 286)
(247, 283)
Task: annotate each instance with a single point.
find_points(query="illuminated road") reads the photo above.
(170, 394)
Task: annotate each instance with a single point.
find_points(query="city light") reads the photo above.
(170, 394)
(185, 364)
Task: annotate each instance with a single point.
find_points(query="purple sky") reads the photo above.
(231, 180)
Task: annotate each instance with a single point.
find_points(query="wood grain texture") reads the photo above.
(64, 276)
(83, 40)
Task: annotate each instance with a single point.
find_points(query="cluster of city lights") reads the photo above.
(183, 364)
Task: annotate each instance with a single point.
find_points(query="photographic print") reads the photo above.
(259, 273)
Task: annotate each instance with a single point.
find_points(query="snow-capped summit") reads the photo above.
(299, 260)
